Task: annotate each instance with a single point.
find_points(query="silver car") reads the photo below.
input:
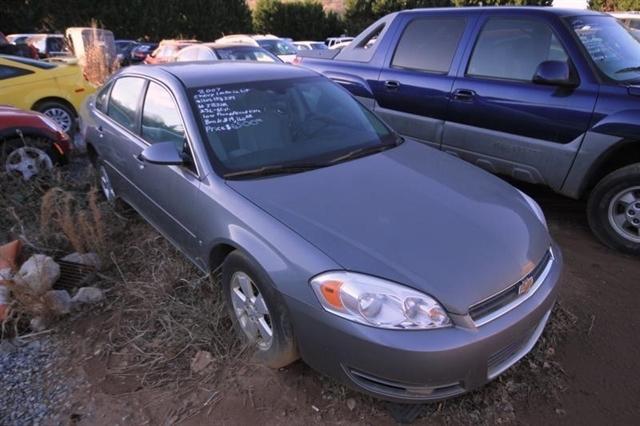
(401, 270)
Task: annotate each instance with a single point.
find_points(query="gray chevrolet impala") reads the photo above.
(396, 268)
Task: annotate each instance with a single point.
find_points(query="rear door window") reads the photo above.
(429, 44)
(7, 72)
(124, 100)
(512, 49)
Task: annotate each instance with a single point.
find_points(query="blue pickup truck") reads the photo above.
(544, 95)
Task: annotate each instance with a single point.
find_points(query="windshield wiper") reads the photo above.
(276, 169)
(367, 150)
(628, 69)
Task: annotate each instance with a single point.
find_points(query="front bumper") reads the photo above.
(418, 366)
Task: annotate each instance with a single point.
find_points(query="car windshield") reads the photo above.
(318, 46)
(246, 54)
(278, 47)
(615, 51)
(294, 122)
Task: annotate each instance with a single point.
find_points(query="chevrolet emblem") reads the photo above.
(525, 286)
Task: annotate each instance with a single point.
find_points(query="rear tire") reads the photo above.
(60, 113)
(251, 317)
(614, 209)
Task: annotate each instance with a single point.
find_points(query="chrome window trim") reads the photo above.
(506, 308)
(197, 173)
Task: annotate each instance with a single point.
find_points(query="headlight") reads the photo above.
(377, 302)
(535, 207)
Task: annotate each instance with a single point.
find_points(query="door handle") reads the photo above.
(139, 160)
(464, 95)
(392, 84)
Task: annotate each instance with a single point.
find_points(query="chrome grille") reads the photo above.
(491, 308)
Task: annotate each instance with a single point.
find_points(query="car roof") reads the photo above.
(207, 73)
(517, 10)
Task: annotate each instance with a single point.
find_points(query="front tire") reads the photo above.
(614, 209)
(258, 314)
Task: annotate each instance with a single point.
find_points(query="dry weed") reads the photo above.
(78, 218)
(166, 310)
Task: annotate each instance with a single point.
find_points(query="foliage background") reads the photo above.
(209, 19)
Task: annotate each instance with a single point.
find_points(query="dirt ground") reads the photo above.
(583, 371)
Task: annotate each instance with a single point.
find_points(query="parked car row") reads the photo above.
(545, 95)
(345, 235)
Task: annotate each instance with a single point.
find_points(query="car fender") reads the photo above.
(623, 124)
(358, 86)
(15, 132)
(286, 258)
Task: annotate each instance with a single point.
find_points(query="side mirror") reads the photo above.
(163, 153)
(554, 73)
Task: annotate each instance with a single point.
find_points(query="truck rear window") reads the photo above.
(429, 44)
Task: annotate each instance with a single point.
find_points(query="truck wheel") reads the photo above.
(614, 209)
(257, 312)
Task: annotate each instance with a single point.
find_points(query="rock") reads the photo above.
(6, 274)
(58, 301)
(351, 404)
(39, 272)
(88, 259)
(38, 324)
(7, 347)
(88, 295)
(201, 361)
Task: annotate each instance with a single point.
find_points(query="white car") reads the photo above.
(276, 45)
(18, 38)
(310, 45)
(343, 41)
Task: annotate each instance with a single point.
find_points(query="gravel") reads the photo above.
(31, 384)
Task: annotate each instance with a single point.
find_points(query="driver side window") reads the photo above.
(161, 119)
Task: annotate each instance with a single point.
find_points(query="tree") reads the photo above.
(152, 19)
(614, 5)
(300, 20)
(462, 3)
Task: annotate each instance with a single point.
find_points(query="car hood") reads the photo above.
(413, 215)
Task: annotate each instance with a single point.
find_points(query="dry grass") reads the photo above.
(78, 218)
(165, 310)
(99, 61)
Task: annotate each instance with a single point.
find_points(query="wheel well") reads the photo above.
(54, 99)
(218, 254)
(623, 155)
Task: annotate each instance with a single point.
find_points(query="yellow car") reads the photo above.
(54, 90)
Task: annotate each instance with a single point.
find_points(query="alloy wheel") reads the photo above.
(624, 213)
(251, 310)
(28, 161)
(61, 117)
(105, 185)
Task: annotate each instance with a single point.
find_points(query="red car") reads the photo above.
(30, 142)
